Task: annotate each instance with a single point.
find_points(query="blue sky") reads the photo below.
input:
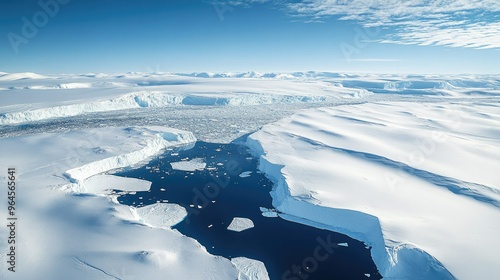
(405, 36)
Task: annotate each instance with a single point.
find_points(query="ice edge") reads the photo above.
(391, 259)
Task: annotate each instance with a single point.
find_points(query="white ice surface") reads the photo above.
(69, 235)
(250, 269)
(417, 182)
(104, 184)
(245, 174)
(159, 139)
(189, 165)
(161, 215)
(270, 213)
(240, 224)
(19, 76)
(72, 95)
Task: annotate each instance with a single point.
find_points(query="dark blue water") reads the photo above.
(217, 194)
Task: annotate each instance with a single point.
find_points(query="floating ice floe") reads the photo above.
(162, 215)
(191, 165)
(270, 213)
(240, 224)
(245, 174)
(104, 184)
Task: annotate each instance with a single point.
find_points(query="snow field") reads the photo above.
(417, 182)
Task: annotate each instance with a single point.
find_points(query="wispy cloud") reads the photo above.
(454, 23)
(235, 3)
(459, 23)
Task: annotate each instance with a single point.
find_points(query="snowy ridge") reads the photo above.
(111, 92)
(128, 101)
(398, 80)
(70, 85)
(19, 76)
(388, 82)
(151, 99)
(151, 147)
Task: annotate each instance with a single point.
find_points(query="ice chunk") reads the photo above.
(192, 165)
(245, 174)
(270, 213)
(249, 269)
(240, 224)
(153, 143)
(103, 184)
(161, 215)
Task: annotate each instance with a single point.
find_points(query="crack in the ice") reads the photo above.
(96, 268)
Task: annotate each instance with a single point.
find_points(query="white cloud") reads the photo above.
(459, 23)
(454, 23)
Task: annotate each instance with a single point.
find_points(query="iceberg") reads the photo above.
(240, 224)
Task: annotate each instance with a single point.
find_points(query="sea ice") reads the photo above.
(250, 269)
(103, 184)
(245, 174)
(191, 165)
(240, 224)
(161, 215)
(270, 213)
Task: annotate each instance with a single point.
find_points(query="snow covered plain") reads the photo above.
(404, 163)
(417, 182)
